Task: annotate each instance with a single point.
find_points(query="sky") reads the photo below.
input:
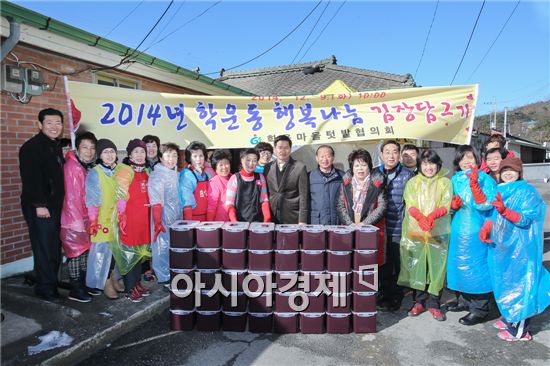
(387, 36)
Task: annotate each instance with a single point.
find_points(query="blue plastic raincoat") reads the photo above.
(521, 284)
(467, 262)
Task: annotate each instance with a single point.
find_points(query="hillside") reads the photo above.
(531, 121)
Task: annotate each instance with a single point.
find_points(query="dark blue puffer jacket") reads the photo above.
(396, 202)
(323, 191)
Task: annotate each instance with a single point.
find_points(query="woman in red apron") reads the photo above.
(134, 219)
(193, 182)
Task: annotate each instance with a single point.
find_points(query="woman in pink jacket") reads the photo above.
(221, 161)
(74, 217)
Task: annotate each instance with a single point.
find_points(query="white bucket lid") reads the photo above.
(261, 227)
(235, 226)
(184, 225)
(210, 225)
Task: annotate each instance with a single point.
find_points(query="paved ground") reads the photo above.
(400, 340)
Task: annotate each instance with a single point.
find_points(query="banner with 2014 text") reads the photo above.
(428, 113)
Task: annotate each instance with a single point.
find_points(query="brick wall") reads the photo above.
(18, 122)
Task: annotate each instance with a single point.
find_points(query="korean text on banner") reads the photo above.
(431, 113)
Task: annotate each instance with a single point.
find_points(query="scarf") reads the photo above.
(360, 194)
(138, 168)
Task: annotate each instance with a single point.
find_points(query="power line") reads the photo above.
(167, 23)
(471, 35)
(310, 32)
(426, 41)
(322, 30)
(492, 44)
(149, 33)
(272, 47)
(123, 19)
(181, 26)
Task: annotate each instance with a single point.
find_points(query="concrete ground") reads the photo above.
(400, 340)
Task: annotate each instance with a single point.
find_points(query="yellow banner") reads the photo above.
(434, 113)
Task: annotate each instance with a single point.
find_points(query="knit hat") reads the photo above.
(513, 163)
(135, 143)
(103, 144)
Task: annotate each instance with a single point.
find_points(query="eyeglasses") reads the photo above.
(266, 153)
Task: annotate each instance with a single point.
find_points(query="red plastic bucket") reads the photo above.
(314, 237)
(208, 303)
(182, 281)
(182, 320)
(260, 260)
(340, 282)
(181, 258)
(260, 236)
(339, 261)
(365, 281)
(208, 277)
(234, 258)
(260, 322)
(312, 323)
(364, 302)
(338, 323)
(258, 281)
(364, 322)
(313, 260)
(285, 301)
(209, 321)
(288, 237)
(233, 279)
(313, 281)
(316, 302)
(234, 235)
(209, 234)
(261, 303)
(209, 258)
(241, 302)
(182, 300)
(287, 281)
(339, 303)
(234, 321)
(287, 322)
(286, 260)
(366, 237)
(182, 234)
(363, 258)
(340, 237)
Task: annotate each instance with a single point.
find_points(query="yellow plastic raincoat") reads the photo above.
(424, 253)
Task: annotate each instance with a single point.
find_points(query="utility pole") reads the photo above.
(505, 129)
(494, 123)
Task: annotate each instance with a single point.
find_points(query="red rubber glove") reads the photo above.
(266, 211)
(479, 196)
(210, 215)
(122, 222)
(437, 213)
(485, 232)
(157, 220)
(423, 222)
(232, 213)
(508, 214)
(456, 203)
(93, 226)
(187, 213)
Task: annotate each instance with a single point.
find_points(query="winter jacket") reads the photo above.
(424, 253)
(374, 207)
(396, 203)
(467, 260)
(41, 169)
(217, 189)
(520, 282)
(289, 199)
(322, 191)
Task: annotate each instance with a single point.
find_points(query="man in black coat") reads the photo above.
(41, 169)
(287, 185)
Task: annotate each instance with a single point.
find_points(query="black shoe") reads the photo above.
(78, 292)
(389, 305)
(93, 291)
(456, 308)
(471, 319)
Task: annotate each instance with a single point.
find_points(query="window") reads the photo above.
(110, 80)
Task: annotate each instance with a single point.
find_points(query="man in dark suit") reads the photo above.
(43, 190)
(287, 185)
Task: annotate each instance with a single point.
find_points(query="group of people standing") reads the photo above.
(479, 234)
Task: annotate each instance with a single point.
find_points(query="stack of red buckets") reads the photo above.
(282, 278)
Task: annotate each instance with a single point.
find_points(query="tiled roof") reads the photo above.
(292, 80)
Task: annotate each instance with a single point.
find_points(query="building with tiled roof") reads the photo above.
(312, 78)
